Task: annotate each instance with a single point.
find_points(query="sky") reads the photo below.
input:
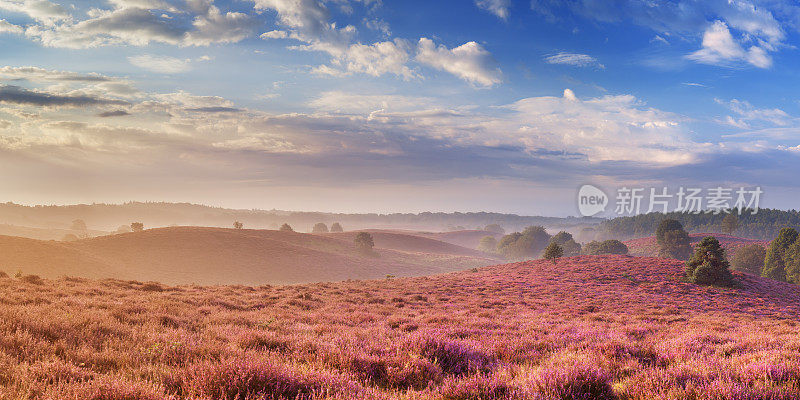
(395, 106)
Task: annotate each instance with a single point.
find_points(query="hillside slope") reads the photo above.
(648, 247)
(590, 327)
(412, 242)
(183, 255)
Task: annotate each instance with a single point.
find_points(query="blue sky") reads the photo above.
(369, 105)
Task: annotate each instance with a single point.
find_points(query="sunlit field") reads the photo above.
(588, 327)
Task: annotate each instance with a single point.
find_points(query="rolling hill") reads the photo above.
(648, 247)
(183, 255)
(589, 327)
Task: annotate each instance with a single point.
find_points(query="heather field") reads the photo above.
(648, 247)
(590, 327)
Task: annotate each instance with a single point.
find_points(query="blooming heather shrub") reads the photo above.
(392, 372)
(571, 382)
(107, 388)
(454, 357)
(478, 387)
(33, 279)
(251, 377)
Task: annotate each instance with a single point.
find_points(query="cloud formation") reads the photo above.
(496, 7)
(574, 59)
(470, 62)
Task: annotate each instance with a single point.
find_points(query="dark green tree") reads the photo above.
(561, 237)
(775, 260)
(495, 228)
(730, 223)
(675, 244)
(319, 227)
(524, 245)
(611, 246)
(553, 252)
(286, 228)
(336, 227)
(665, 226)
(749, 258)
(364, 241)
(571, 248)
(488, 244)
(708, 265)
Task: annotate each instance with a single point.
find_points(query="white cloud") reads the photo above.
(377, 59)
(720, 48)
(496, 7)
(470, 62)
(274, 35)
(574, 59)
(748, 115)
(41, 10)
(7, 27)
(160, 64)
(356, 103)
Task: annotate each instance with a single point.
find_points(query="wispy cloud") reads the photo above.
(574, 59)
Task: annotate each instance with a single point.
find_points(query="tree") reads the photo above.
(665, 226)
(495, 228)
(286, 228)
(238, 225)
(78, 225)
(573, 248)
(676, 244)
(730, 223)
(611, 246)
(672, 240)
(749, 258)
(524, 245)
(488, 244)
(775, 260)
(319, 227)
(336, 227)
(137, 226)
(364, 241)
(708, 265)
(561, 237)
(792, 262)
(553, 252)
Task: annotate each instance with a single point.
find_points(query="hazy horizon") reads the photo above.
(372, 106)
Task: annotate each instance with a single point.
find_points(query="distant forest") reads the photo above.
(108, 217)
(763, 225)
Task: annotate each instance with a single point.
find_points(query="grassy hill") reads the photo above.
(590, 327)
(184, 255)
(648, 247)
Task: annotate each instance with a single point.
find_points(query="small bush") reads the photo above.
(238, 225)
(137, 226)
(33, 279)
